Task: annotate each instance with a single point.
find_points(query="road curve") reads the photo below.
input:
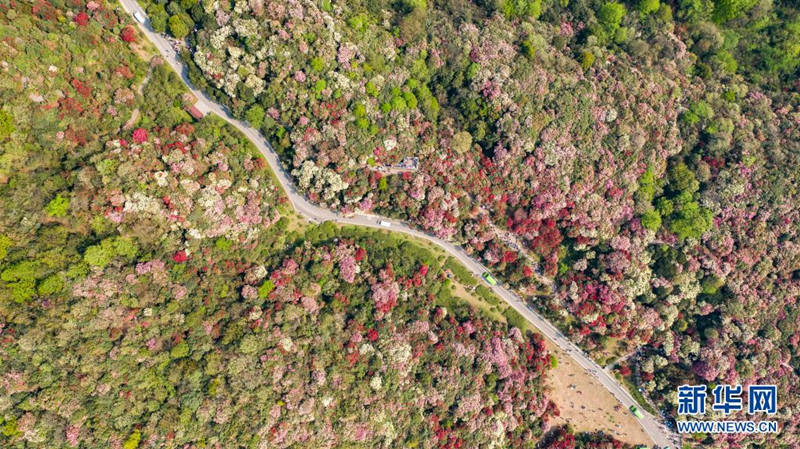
(654, 429)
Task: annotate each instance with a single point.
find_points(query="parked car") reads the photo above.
(489, 279)
(139, 17)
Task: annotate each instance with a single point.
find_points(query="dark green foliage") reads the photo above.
(689, 219)
(725, 10)
(158, 17)
(178, 26)
(255, 116)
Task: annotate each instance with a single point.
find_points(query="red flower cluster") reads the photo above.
(128, 34)
(82, 87)
(82, 19)
(180, 256)
(139, 135)
(360, 253)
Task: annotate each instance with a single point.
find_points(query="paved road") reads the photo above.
(317, 214)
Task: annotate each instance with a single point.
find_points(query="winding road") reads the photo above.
(657, 431)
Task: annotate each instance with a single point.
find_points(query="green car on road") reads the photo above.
(636, 412)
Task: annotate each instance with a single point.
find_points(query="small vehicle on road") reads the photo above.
(489, 279)
(138, 16)
(384, 223)
(636, 412)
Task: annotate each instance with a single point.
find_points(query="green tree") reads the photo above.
(21, 279)
(647, 186)
(461, 142)
(133, 440)
(50, 285)
(266, 288)
(521, 8)
(319, 86)
(358, 22)
(255, 116)
(651, 220)
(611, 14)
(6, 124)
(58, 206)
(5, 243)
(102, 254)
(682, 179)
(178, 27)
(180, 350)
(725, 10)
(587, 59)
(647, 7)
(158, 17)
(690, 220)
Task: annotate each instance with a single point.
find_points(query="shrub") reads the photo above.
(651, 220)
(319, 86)
(265, 289)
(177, 27)
(133, 440)
(521, 8)
(180, 350)
(611, 14)
(587, 59)
(725, 10)
(255, 116)
(6, 124)
(647, 7)
(358, 22)
(691, 220)
(58, 206)
(5, 243)
(100, 255)
(51, 285)
(128, 34)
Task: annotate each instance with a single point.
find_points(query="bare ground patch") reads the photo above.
(586, 405)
